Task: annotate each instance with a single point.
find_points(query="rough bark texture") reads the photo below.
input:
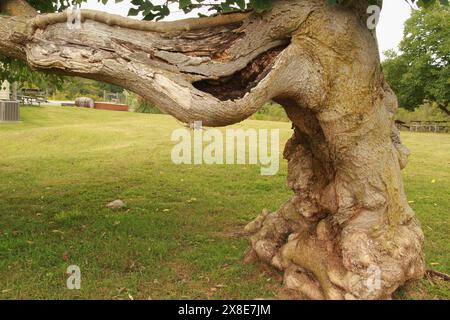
(17, 8)
(349, 212)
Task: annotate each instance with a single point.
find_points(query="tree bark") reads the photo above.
(17, 8)
(349, 215)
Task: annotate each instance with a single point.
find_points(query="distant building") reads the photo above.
(4, 90)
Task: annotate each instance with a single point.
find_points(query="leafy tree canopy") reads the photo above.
(422, 68)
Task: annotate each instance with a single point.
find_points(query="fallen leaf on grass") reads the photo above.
(191, 200)
(66, 256)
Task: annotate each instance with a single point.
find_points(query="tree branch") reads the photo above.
(42, 21)
(17, 8)
(174, 64)
(444, 108)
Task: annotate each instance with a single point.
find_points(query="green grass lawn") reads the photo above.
(180, 233)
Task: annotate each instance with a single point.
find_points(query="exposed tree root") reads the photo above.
(441, 275)
(339, 237)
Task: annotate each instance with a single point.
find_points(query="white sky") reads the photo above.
(389, 30)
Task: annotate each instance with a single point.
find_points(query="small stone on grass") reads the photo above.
(116, 204)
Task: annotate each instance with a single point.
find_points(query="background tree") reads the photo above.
(348, 220)
(422, 68)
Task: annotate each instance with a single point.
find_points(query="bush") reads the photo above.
(272, 112)
(425, 112)
(77, 87)
(139, 104)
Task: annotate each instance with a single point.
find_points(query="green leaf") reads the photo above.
(241, 4)
(133, 12)
(261, 5)
(184, 3)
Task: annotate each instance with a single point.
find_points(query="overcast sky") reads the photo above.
(389, 30)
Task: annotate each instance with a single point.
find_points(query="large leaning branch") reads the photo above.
(163, 26)
(179, 66)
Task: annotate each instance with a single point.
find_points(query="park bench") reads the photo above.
(31, 96)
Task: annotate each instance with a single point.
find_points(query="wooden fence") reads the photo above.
(442, 126)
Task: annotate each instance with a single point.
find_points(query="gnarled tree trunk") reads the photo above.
(348, 220)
